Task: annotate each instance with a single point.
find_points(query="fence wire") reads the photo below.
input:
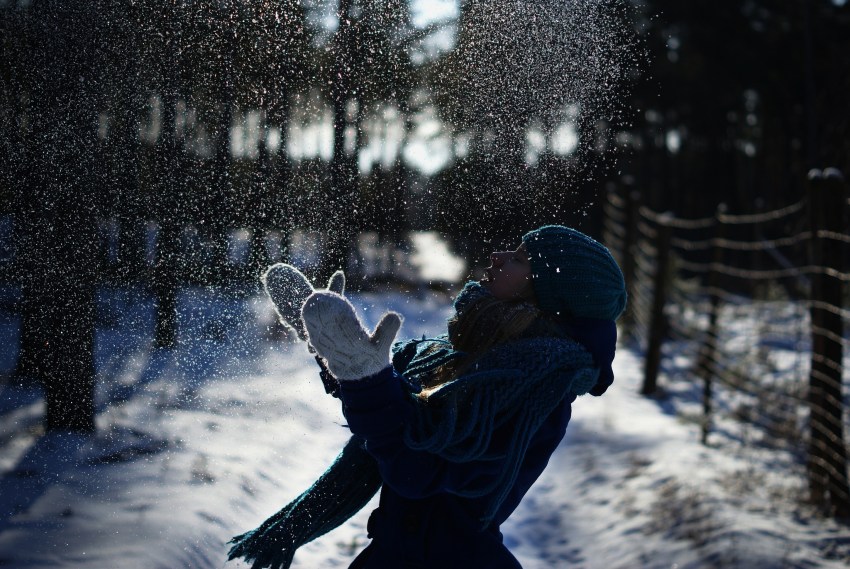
(738, 323)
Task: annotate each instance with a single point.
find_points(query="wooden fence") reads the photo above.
(751, 308)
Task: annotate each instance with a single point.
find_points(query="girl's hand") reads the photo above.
(339, 338)
(288, 288)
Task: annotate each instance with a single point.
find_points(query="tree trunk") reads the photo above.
(61, 286)
(215, 216)
(343, 166)
(128, 114)
(258, 257)
(171, 180)
(281, 213)
(827, 458)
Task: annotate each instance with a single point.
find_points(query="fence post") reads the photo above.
(632, 207)
(658, 324)
(827, 459)
(707, 363)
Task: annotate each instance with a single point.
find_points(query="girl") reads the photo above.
(453, 430)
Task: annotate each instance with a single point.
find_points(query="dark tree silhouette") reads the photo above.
(61, 252)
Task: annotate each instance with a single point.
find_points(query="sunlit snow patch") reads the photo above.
(432, 257)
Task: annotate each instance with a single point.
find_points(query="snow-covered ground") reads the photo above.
(203, 442)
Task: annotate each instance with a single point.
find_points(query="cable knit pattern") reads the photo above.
(574, 275)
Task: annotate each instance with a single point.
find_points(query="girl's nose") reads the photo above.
(496, 259)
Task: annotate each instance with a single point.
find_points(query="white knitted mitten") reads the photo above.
(288, 288)
(342, 341)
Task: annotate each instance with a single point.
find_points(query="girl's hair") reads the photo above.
(485, 323)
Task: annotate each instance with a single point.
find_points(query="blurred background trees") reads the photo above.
(741, 100)
(141, 140)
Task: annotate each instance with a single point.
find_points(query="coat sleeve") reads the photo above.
(378, 409)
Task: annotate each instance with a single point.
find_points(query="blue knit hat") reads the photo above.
(574, 275)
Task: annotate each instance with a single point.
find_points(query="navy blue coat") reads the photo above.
(420, 522)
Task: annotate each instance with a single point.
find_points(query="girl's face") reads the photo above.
(509, 275)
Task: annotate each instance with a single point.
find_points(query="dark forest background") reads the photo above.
(137, 136)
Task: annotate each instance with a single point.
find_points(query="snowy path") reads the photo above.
(203, 443)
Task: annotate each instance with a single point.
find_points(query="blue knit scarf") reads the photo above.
(518, 383)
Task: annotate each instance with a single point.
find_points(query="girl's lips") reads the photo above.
(488, 276)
